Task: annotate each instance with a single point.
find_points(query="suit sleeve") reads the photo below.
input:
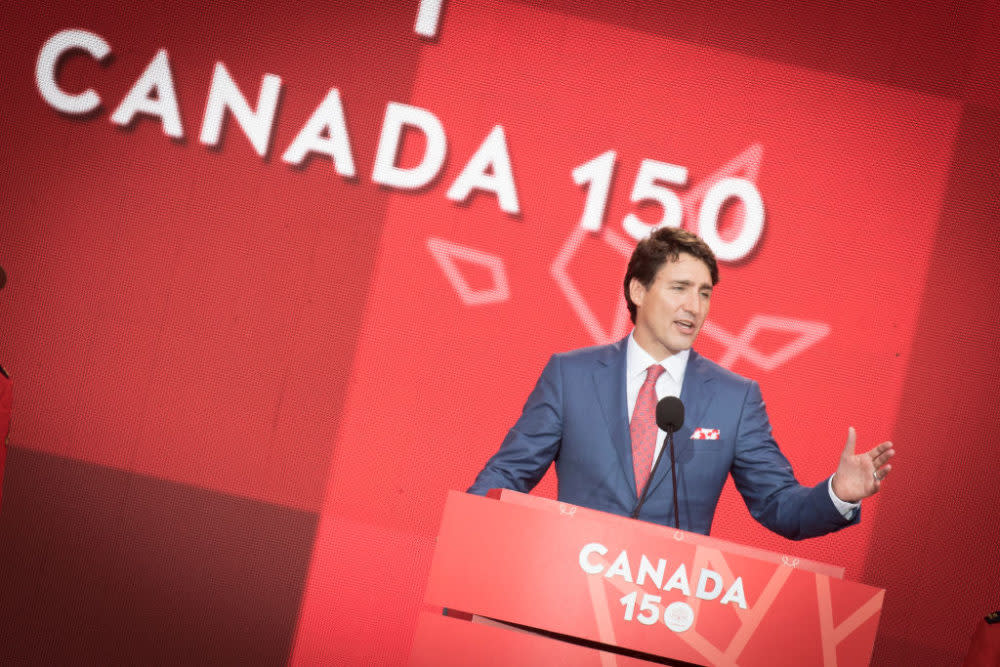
(765, 479)
(532, 444)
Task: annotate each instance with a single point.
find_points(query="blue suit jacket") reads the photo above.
(577, 416)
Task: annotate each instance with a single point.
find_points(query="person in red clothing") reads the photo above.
(6, 396)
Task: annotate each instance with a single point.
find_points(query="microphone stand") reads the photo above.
(673, 477)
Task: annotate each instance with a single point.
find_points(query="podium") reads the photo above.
(531, 581)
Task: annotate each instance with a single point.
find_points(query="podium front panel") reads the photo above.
(622, 583)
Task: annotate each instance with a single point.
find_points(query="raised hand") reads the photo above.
(861, 475)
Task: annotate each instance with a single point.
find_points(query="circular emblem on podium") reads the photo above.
(678, 616)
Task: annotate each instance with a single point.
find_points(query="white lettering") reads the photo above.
(735, 594)
(398, 116)
(585, 564)
(224, 94)
(620, 568)
(709, 587)
(328, 120)
(596, 175)
(648, 188)
(153, 94)
(45, 69)
(703, 579)
(489, 170)
(428, 18)
(646, 570)
(753, 218)
(679, 580)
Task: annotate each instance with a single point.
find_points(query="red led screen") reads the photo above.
(306, 257)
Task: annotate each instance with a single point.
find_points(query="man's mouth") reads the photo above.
(686, 326)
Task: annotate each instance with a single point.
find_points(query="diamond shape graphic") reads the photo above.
(806, 333)
(560, 273)
(446, 252)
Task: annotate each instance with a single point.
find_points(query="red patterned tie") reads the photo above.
(643, 428)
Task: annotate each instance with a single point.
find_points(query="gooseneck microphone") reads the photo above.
(669, 417)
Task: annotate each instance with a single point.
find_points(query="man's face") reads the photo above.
(672, 309)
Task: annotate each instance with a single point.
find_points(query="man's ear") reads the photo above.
(636, 291)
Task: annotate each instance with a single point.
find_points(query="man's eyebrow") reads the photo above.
(688, 283)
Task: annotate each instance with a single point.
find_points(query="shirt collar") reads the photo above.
(637, 361)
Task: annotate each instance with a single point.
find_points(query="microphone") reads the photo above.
(670, 418)
(670, 414)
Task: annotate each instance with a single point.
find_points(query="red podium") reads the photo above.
(575, 586)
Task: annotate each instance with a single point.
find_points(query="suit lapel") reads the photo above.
(696, 394)
(609, 385)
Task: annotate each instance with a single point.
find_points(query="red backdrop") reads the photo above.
(305, 357)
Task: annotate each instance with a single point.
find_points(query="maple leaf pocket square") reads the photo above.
(705, 434)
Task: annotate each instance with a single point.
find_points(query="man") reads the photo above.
(592, 414)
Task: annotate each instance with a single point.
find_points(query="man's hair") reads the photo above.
(664, 245)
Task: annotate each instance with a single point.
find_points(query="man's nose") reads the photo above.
(692, 303)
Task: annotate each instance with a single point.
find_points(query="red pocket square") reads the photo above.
(705, 434)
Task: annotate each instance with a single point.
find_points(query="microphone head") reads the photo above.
(670, 413)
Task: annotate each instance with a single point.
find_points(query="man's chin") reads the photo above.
(678, 344)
